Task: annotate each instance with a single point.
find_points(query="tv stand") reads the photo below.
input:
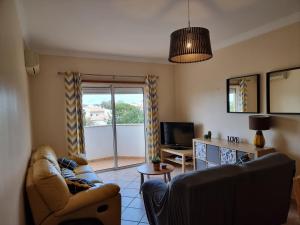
(178, 147)
(166, 152)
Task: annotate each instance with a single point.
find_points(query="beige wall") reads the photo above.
(201, 90)
(15, 133)
(47, 92)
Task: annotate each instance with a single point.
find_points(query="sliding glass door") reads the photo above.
(129, 112)
(98, 129)
(114, 126)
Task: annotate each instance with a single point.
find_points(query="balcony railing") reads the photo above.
(99, 141)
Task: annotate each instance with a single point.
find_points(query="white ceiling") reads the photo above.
(140, 29)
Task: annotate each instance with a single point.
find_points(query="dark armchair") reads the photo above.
(257, 192)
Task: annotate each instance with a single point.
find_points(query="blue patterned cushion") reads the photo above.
(67, 173)
(76, 185)
(67, 163)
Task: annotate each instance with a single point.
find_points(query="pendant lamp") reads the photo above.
(190, 44)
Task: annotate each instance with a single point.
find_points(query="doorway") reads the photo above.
(114, 125)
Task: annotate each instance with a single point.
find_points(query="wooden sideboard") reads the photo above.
(214, 152)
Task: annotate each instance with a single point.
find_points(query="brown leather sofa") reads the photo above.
(51, 202)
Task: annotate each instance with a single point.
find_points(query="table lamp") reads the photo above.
(259, 123)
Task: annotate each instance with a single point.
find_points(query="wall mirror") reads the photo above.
(243, 94)
(283, 91)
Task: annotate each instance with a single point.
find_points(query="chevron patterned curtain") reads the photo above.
(244, 95)
(75, 136)
(152, 116)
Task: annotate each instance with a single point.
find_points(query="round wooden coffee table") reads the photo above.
(147, 169)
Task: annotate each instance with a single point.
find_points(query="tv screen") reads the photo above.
(177, 134)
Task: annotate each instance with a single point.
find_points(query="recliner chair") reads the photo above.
(257, 192)
(51, 202)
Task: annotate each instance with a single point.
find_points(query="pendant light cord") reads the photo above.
(188, 8)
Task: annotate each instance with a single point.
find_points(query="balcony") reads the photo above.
(100, 149)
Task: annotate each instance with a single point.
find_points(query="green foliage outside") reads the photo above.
(106, 105)
(127, 114)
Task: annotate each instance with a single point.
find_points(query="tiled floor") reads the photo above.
(107, 163)
(133, 212)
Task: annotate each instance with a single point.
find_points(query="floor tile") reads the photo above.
(137, 203)
(126, 201)
(129, 192)
(132, 214)
(134, 184)
(139, 196)
(121, 183)
(126, 222)
(144, 219)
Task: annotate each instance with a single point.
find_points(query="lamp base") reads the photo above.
(259, 140)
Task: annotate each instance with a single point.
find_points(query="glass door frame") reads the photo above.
(112, 88)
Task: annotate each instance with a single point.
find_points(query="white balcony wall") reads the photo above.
(99, 141)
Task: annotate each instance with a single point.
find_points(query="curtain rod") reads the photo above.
(103, 75)
(113, 82)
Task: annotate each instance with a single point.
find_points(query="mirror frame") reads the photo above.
(257, 91)
(268, 91)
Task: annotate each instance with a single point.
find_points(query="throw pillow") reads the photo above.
(67, 163)
(67, 173)
(76, 185)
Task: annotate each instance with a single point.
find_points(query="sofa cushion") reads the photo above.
(83, 169)
(67, 173)
(50, 184)
(45, 152)
(91, 177)
(76, 185)
(67, 163)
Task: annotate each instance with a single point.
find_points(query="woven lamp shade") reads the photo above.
(189, 45)
(259, 122)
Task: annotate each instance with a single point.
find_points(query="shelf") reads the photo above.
(179, 161)
(208, 161)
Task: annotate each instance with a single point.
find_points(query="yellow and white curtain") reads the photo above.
(152, 116)
(75, 136)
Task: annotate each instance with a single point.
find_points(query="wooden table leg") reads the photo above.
(183, 164)
(142, 181)
(169, 176)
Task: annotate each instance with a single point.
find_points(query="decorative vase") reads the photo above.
(259, 140)
(156, 166)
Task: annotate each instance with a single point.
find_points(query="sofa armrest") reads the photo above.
(89, 197)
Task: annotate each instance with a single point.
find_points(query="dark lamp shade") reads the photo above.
(259, 122)
(191, 44)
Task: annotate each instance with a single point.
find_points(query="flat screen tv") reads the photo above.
(177, 135)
